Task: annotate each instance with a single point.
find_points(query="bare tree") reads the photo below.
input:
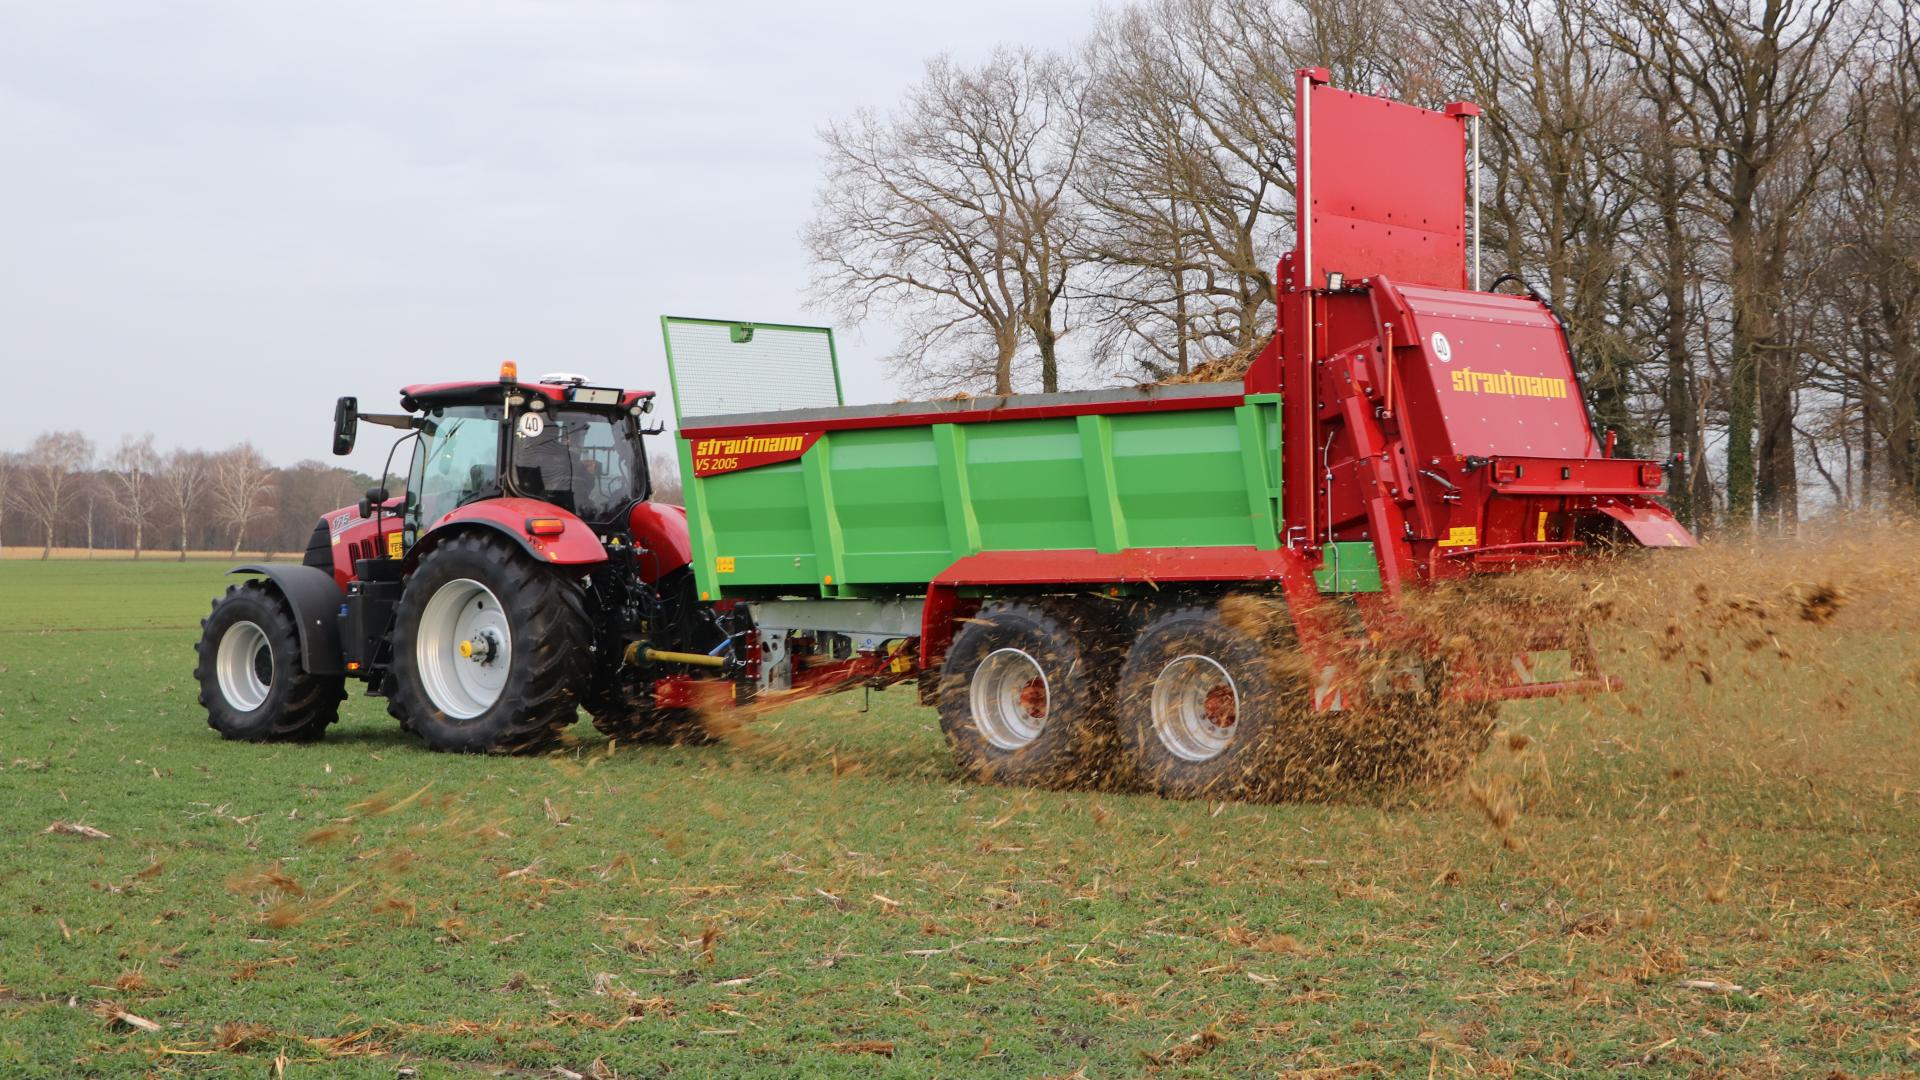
(1869, 233)
(52, 479)
(954, 216)
(9, 473)
(665, 474)
(304, 492)
(241, 491)
(132, 486)
(1188, 112)
(1754, 78)
(182, 486)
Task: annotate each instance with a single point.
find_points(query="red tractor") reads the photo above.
(524, 574)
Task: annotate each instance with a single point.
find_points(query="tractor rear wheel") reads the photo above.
(1203, 705)
(1023, 696)
(252, 682)
(490, 649)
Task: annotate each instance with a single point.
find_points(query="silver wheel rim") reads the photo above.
(245, 666)
(1009, 697)
(1196, 707)
(464, 649)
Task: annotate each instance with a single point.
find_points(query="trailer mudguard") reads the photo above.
(575, 545)
(315, 599)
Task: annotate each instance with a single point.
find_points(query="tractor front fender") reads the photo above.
(575, 544)
(315, 599)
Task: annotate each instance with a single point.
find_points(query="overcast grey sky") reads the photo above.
(218, 215)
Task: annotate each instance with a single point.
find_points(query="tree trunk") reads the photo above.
(1778, 481)
(1743, 380)
(1903, 403)
(47, 551)
(183, 536)
(137, 529)
(1006, 342)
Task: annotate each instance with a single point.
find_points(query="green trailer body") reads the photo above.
(885, 498)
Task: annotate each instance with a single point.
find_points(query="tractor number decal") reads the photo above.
(731, 453)
(1461, 536)
(1507, 384)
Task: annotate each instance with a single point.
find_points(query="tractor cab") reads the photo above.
(558, 441)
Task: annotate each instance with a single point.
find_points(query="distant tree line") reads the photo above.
(1721, 196)
(63, 492)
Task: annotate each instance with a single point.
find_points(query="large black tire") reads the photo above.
(535, 610)
(258, 690)
(1205, 703)
(1024, 696)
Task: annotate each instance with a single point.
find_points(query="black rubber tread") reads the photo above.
(1075, 646)
(298, 706)
(1274, 696)
(640, 722)
(547, 617)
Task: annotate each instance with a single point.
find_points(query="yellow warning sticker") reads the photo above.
(393, 544)
(723, 564)
(1461, 536)
(1540, 532)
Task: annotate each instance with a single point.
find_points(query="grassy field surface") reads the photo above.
(1716, 872)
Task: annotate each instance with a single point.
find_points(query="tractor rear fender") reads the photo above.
(315, 599)
(574, 545)
(661, 529)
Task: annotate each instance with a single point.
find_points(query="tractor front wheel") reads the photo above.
(252, 682)
(490, 649)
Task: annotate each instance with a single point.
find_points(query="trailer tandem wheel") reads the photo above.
(1203, 706)
(1024, 696)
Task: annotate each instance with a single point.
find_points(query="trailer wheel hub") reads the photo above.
(1196, 707)
(1009, 696)
(464, 649)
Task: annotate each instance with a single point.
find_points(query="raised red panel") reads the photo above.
(1384, 187)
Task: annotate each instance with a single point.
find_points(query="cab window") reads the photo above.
(456, 461)
(581, 461)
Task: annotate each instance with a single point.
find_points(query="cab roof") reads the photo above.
(427, 395)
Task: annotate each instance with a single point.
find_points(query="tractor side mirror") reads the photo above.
(375, 496)
(346, 425)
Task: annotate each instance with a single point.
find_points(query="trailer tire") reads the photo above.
(1024, 697)
(486, 588)
(253, 683)
(1204, 707)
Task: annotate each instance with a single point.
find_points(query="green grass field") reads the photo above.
(822, 897)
